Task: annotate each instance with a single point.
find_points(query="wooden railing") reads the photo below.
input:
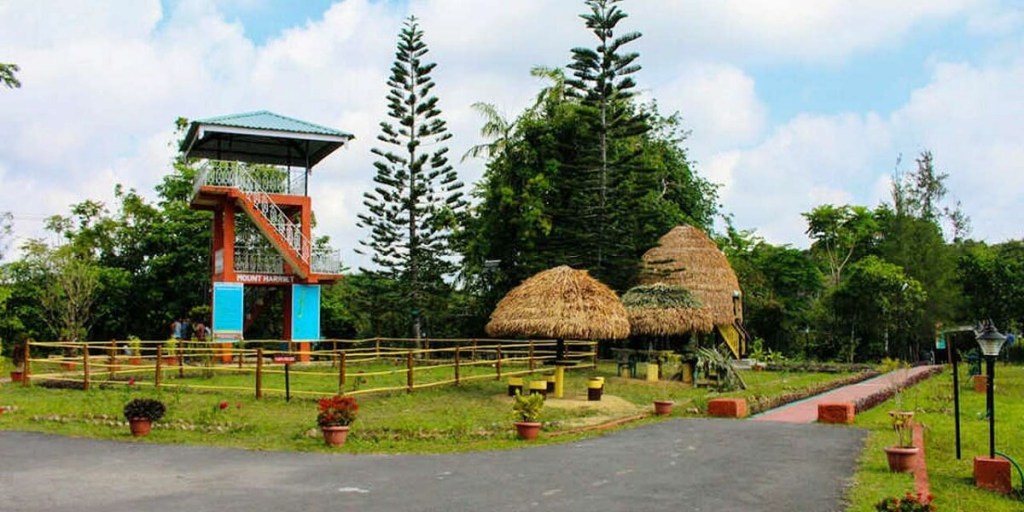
(335, 366)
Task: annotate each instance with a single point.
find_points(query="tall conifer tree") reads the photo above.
(602, 82)
(411, 213)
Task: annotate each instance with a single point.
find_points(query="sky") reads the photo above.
(790, 103)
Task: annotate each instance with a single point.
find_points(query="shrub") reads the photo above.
(908, 503)
(144, 408)
(337, 411)
(527, 408)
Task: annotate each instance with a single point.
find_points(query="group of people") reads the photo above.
(182, 329)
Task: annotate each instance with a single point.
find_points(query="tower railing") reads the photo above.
(254, 183)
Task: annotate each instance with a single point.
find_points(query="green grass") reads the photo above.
(473, 416)
(951, 480)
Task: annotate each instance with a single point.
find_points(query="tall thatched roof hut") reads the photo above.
(560, 303)
(665, 310)
(686, 257)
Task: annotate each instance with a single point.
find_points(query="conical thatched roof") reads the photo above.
(664, 310)
(560, 303)
(686, 257)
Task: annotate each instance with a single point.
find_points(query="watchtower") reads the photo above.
(254, 175)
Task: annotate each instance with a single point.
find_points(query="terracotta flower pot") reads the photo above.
(663, 407)
(140, 426)
(17, 376)
(335, 436)
(901, 460)
(527, 430)
(135, 360)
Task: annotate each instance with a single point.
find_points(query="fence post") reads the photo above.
(259, 373)
(532, 362)
(409, 365)
(341, 373)
(473, 353)
(593, 351)
(159, 362)
(241, 355)
(26, 368)
(376, 347)
(456, 365)
(497, 364)
(85, 367)
(112, 364)
(181, 359)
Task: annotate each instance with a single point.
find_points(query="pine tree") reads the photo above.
(603, 85)
(412, 212)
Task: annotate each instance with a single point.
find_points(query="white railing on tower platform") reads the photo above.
(257, 184)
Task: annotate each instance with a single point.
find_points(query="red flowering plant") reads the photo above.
(337, 411)
(908, 503)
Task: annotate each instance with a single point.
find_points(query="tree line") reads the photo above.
(587, 175)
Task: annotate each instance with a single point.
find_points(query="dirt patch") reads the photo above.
(609, 408)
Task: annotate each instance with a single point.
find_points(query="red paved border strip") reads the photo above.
(921, 468)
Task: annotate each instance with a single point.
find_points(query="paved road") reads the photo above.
(680, 465)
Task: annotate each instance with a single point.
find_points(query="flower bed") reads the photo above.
(758, 405)
(884, 394)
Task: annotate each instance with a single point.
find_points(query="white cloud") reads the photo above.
(718, 98)
(102, 87)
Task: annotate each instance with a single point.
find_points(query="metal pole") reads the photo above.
(956, 394)
(991, 370)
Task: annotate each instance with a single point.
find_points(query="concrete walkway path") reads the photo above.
(680, 465)
(806, 411)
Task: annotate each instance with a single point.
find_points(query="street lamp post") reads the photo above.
(991, 342)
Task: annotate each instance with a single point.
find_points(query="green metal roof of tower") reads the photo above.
(262, 137)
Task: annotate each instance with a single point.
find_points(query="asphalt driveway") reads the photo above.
(679, 465)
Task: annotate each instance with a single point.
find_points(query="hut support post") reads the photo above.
(559, 381)
(560, 349)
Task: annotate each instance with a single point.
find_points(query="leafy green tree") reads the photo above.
(412, 212)
(991, 278)
(7, 75)
(840, 233)
(780, 286)
(875, 305)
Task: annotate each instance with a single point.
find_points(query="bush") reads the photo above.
(908, 503)
(144, 408)
(527, 408)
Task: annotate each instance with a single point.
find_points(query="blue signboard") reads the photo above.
(305, 312)
(228, 315)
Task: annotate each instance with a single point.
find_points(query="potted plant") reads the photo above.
(170, 352)
(663, 407)
(18, 360)
(526, 409)
(141, 413)
(135, 350)
(902, 456)
(335, 416)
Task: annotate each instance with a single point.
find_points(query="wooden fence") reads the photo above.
(348, 367)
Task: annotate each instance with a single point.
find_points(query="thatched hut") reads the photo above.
(686, 257)
(560, 303)
(665, 310)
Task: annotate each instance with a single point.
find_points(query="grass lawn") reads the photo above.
(951, 480)
(473, 416)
